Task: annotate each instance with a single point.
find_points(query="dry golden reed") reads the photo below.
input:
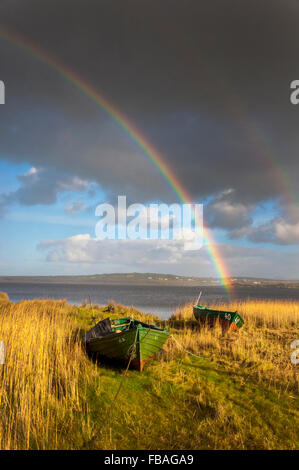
(262, 347)
(42, 384)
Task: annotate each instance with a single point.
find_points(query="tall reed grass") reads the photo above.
(45, 376)
(261, 348)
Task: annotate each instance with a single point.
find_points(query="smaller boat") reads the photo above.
(228, 320)
(125, 339)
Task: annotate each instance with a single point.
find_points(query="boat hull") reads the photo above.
(139, 342)
(228, 320)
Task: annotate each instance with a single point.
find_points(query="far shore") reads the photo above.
(145, 279)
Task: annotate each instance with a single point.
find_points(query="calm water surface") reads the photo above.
(161, 300)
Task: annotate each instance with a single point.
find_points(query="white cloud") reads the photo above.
(32, 171)
(225, 212)
(75, 207)
(287, 233)
(280, 231)
(83, 248)
(73, 184)
(167, 256)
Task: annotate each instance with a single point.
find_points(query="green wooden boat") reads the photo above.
(120, 338)
(228, 320)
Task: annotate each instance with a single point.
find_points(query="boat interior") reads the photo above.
(117, 325)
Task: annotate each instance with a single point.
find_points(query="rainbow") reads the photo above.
(122, 120)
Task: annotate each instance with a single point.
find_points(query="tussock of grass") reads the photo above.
(52, 396)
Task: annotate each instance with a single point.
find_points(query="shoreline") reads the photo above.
(149, 279)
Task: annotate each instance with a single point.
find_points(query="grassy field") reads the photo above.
(243, 395)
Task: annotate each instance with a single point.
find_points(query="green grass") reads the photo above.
(189, 405)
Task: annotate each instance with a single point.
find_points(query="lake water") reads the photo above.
(161, 300)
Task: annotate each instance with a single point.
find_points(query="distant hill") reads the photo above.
(148, 278)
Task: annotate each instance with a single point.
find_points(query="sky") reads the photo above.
(207, 84)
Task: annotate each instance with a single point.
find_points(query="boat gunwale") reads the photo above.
(127, 330)
(201, 307)
(211, 313)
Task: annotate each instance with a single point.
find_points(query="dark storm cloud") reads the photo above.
(279, 230)
(42, 186)
(224, 212)
(206, 82)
